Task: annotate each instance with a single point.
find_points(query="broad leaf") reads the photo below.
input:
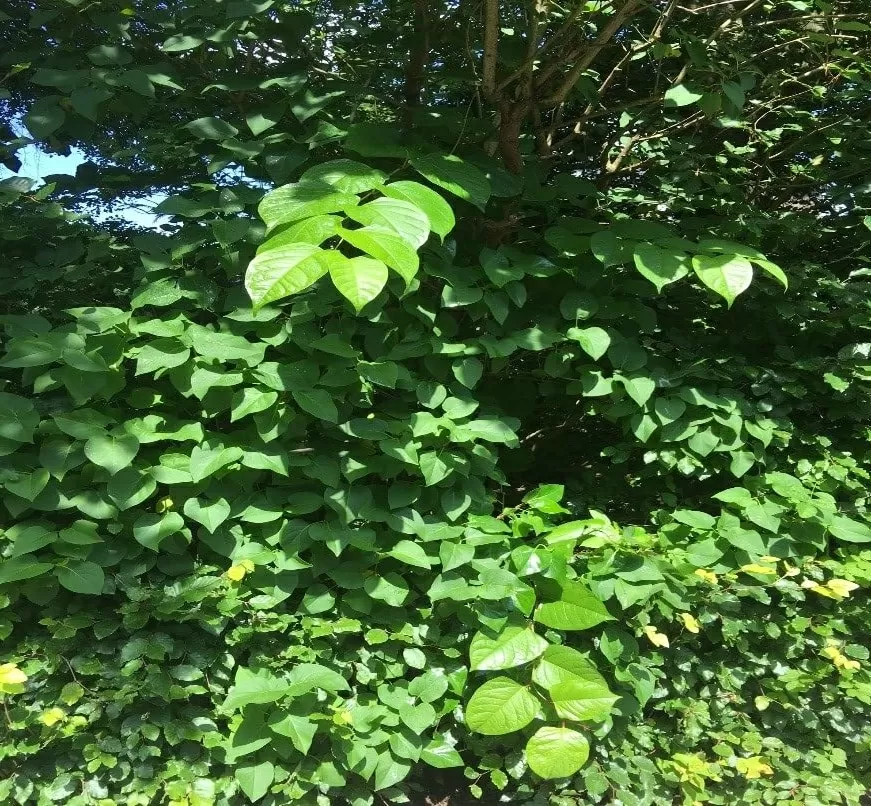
(359, 279)
(726, 275)
(660, 266)
(385, 245)
(302, 200)
(577, 609)
(406, 220)
(278, 273)
(456, 176)
(501, 706)
(434, 207)
(557, 752)
(513, 646)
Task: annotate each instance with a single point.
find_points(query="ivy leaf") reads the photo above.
(577, 609)
(456, 176)
(359, 279)
(81, 576)
(513, 646)
(302, 200)
(501, 706)
(435, 208)
(255, 779)
(113, 452)
(557, 752)
(726, 275)
(286, 270)
(385, 245)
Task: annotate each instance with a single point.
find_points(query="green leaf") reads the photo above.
(250, 687)
(18, 418)
(439, 754)
(207, 460)
(44, 118)
(112, 452)
(359, 279)
(429, 687)
(314, 230)
(299, 729)
(848, 530)
(151, 530)
(210, 515)
(557, 752)
(403, 218)
(389, 588)
(583, 700)
(726, 275)
(26, 566)
(501, 706)
(278, 273)
(411, 554)
(594, 341)
(130, 487)
(577, 609)
(562, 664)
(302, 200)
(513, 646)
(639, 389)
(347, 176)
(250, 400)
(80, 576)
(681, 95)
(456, 176)
(316, 402)
(468, 371)
(389, 771)
(306, 677)
(29, 485)
(434, 207)
(255, 779)
(211, 128)
(385, 245)
(660, 266)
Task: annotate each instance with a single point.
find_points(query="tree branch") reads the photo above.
(491, 48)
(590, 53)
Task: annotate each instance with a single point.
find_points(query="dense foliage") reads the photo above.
(488, 423)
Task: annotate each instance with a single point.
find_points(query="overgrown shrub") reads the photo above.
(488, 422)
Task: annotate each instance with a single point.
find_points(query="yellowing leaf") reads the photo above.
(10, 674)
(842, 588)
(755, 568)
(690, 622)
(52, 716)
(164, 505)
(708, 576)
(656, 638)
(237, 572)
(753, 767)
